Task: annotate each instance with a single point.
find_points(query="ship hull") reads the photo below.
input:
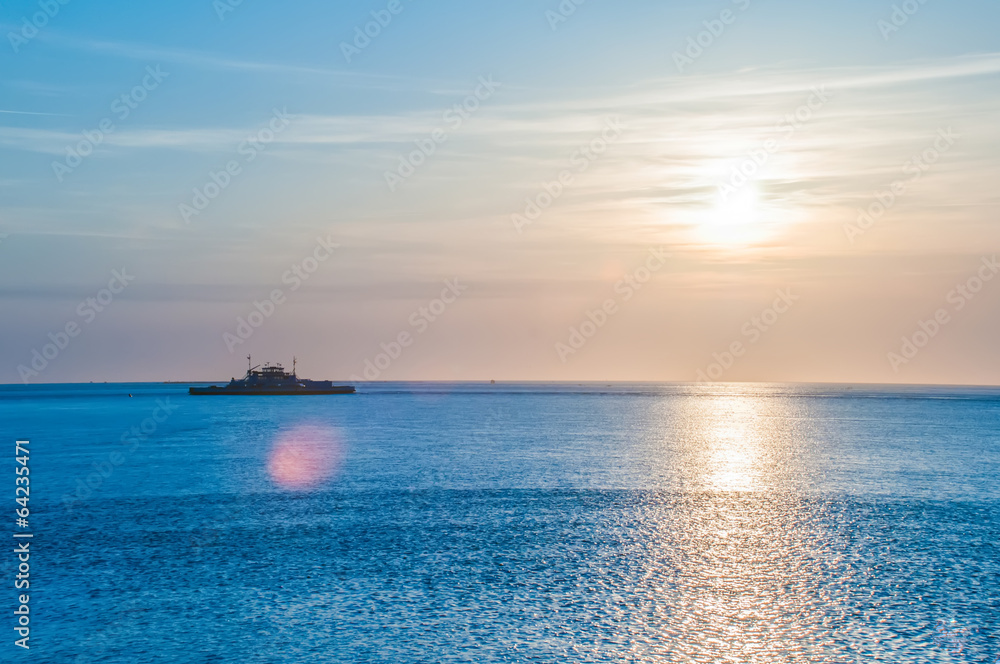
(269, 391)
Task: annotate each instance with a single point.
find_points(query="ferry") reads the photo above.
(272, 379)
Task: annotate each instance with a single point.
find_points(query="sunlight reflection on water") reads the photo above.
(693, 523)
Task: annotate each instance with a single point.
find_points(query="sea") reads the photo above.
(507, 522)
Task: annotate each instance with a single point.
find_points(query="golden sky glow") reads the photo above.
(862, 181)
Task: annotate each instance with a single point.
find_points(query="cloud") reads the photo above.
(682, 137)
(208, 60)
(532, 117)
(63, 115)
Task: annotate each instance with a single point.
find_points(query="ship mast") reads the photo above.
(294, 360)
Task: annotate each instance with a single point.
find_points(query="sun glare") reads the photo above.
(304, 457)
(735, 218)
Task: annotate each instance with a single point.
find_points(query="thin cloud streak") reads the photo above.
(208, 60)
(500, 119)
(60, 115)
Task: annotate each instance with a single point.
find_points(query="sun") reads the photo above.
(735, 218)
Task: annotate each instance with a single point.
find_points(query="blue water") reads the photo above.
(511, 523)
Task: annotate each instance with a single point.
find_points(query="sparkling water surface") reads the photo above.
(433, 522)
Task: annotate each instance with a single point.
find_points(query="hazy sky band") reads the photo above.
(658, 184)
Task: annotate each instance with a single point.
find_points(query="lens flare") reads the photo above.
(304, 457)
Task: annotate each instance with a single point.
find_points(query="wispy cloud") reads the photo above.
(759, 83)
(683, 135)
(63, 115)
(568, 117)
(208, 60)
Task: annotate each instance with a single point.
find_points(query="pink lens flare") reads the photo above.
(304, 457)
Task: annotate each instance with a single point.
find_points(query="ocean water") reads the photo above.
(432, 522)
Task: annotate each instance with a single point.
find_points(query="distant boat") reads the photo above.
(272, 379)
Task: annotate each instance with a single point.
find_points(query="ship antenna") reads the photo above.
(249, 369)
(294, 360)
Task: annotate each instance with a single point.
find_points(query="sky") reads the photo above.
(744, 190)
